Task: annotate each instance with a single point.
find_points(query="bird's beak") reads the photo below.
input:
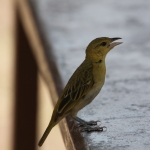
(112, 44)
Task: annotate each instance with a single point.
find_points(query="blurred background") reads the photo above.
(7, 70)
(7, 87)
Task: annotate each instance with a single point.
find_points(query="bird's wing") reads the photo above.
(78, 86)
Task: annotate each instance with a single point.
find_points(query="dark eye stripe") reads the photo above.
(103, 43)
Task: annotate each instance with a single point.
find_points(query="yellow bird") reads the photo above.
(83, 86)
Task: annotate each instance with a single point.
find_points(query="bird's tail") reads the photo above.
(47, 131)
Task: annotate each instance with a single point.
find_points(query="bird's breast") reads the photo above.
(99, 72)
(93, 92)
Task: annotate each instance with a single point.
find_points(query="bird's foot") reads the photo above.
(86, 126)
(90, 129)
(84, 123)
(90, 123)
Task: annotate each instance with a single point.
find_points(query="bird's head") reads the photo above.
(99, 47)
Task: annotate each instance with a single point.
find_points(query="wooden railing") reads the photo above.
(33, 56)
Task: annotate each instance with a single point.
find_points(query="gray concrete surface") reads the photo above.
(124, 102)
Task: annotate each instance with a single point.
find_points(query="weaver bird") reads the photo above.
(83, 86)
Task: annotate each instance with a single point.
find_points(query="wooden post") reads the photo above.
(26, 93)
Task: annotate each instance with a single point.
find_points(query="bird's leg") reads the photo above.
(83, 123)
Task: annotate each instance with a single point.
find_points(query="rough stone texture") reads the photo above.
(124, 102)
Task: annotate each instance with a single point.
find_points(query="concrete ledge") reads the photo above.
(124, 102)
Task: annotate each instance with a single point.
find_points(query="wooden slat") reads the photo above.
(47, 66)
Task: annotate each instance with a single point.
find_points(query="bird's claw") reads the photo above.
(90, 129)
(91, 123)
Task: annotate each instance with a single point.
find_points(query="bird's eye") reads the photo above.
(103, 43)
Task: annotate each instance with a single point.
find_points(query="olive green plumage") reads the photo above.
(85, 83)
